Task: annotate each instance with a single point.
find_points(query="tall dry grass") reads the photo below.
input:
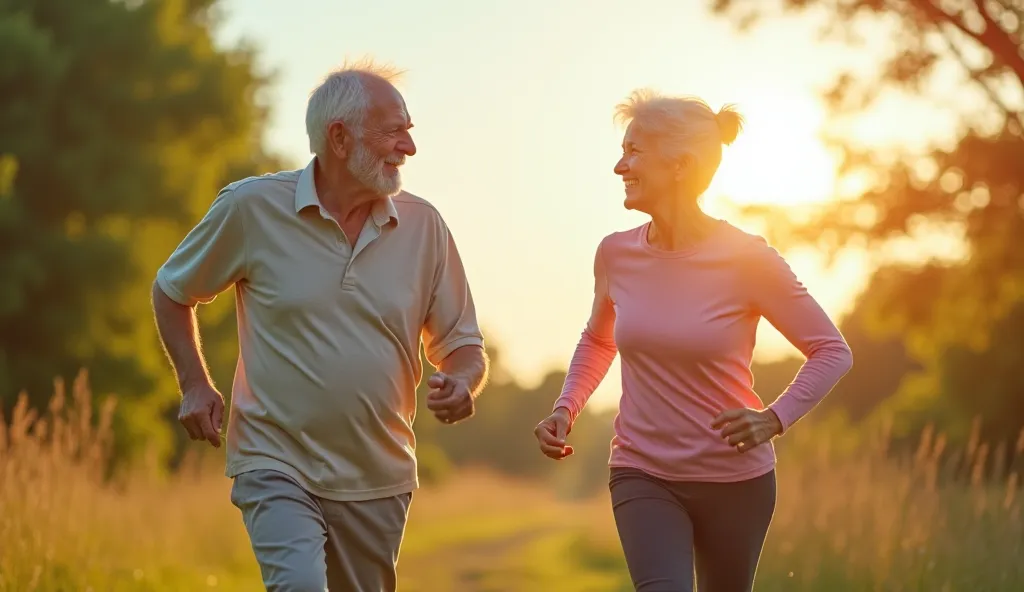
(849, 517)
(66, 525)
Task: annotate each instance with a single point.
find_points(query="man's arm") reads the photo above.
(211, 258)
(469, 364)
(202, 406)
(178, 329)
(452, 339)
(457, 383)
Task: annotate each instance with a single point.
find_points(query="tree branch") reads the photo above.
(985, 14)
(1003, 47)
(979, 77)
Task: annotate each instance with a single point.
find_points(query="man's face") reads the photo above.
(384, 142)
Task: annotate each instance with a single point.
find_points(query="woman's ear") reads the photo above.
(684, 167)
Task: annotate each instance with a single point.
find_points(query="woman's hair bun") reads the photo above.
(730, 123)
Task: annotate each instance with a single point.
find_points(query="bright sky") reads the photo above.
(513, 102)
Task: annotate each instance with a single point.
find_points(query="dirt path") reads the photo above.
(470, 566)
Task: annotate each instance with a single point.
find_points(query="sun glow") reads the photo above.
(778, 158)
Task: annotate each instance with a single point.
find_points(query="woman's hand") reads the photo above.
(551, 434)
(747, 428)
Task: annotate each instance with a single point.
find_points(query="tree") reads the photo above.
(119, 121)
(972, 190)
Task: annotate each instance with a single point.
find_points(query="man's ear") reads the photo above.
(339, 139)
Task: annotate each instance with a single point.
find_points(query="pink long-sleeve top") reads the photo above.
(684, 323)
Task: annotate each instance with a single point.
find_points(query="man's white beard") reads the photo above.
(369, 170)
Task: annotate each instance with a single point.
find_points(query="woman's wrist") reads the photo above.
(775, 422)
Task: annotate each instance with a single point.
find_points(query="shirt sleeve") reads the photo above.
(211, 257)
(784, 301)
(596, 348)
(451, 320)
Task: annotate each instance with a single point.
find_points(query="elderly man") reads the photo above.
(338, 274)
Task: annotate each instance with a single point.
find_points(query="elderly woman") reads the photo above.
(692, 467)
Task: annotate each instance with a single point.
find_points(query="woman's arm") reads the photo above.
(784, 301)
(588, 367)
(595, 350)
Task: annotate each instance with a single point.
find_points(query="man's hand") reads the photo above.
(449, 398)
(551, 434)
(747, 428)
(202, 412)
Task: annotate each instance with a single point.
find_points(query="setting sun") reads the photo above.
(778, 158)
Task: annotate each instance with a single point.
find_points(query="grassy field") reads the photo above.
(844, 522)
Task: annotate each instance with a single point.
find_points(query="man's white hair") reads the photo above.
(342, 96)
(683, 125)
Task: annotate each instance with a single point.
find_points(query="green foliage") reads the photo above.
(124, 120)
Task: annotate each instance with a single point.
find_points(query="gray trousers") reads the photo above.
(669, 530)
(304, 543)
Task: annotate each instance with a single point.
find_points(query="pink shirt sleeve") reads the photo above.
(785, 303)
(595, 350)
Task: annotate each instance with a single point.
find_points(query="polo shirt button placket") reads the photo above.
(346, 250)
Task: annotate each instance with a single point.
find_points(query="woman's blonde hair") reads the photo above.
(682, 125)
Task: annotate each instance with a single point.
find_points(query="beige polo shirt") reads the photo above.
(329, 332)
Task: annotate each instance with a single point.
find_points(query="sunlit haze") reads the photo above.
(513, 106)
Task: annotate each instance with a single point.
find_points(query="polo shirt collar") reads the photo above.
(383, 210)
(305, 192)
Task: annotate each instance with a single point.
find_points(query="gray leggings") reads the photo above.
(668, 528)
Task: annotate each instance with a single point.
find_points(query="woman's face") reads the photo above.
(648, 177)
